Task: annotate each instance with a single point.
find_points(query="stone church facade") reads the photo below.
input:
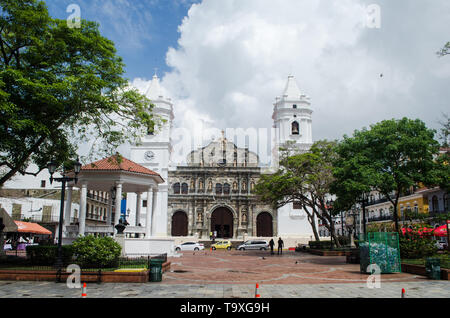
(215, 192)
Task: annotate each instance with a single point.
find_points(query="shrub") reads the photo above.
(414, 246)
(320, 245)
(94, 252)
(343, 240)
(45, 255)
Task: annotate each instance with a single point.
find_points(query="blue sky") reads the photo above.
(142, 30)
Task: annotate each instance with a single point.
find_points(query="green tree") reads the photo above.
(445, 50)
(391, 157)
(304, 178)
(60, 86)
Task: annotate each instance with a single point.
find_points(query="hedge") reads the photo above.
(320, 245)
(46, 255)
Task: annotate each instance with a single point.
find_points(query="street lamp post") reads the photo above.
(52, 166)
(330, 204)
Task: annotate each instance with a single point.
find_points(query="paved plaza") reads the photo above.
(234, 274)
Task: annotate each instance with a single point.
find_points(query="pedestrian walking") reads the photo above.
(280, 246)
(271, 244)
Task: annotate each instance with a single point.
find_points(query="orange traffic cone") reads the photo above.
(257, 295)
(84, 292)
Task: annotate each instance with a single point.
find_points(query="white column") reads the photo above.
(148, 215)
(118, 205)
(109, 212)
(68, 209)
(138, 208)
(82, 218)
(154, 204)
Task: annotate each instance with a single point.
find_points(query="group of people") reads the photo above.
(280, 246)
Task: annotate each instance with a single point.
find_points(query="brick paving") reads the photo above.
(247, 267)
(233, 274)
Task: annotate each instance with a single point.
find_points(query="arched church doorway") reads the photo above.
(180, 224)
(222, 223)
(264, 225)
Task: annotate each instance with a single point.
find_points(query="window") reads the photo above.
(226, 188)
(176, 188)
(144, 203)
(43, 184)
(295, 106)
(297, 206)
(184, 188)
(295, 128)
(218, 188)
(435, 204)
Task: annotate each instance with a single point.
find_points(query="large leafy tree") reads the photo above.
(352, 176)
(60, 86)
(390, 157)
(304, 178)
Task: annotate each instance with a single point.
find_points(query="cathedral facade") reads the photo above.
(215, 191)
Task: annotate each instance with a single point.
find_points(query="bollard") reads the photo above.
(257, 295)
(403, 293)
(84, 292)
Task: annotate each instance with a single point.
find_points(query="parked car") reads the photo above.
(254, 245)
(189, 246)
(222, 245)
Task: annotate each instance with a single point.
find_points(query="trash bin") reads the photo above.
(433, 268)
(156, 270)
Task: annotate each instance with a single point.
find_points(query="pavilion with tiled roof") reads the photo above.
(115, 175)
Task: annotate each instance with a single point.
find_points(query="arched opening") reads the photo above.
(264, 225)
(295, 128)
(218, 188)
(176, 188)
(222, 223)
(184, 188)
(180, 224)
(435, 204)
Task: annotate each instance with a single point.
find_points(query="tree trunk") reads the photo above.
(312, 221)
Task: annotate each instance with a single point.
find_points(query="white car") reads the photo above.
(189, 246)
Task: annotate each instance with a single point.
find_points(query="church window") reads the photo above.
(176, 188)
(226, 188)
(184, 188)
(295, 128)
(218, 188)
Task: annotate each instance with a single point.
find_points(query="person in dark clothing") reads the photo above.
(280, 246)
(271, 244)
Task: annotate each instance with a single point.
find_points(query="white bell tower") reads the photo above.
(154, 153)
(292, 116)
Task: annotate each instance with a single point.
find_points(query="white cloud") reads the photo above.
(234, 57)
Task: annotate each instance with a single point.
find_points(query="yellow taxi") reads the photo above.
(222, 245)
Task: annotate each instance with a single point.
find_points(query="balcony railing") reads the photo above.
(42, 218)
(380, 218)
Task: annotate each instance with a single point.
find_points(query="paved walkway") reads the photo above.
(423, 289)
(234, 274)
(251, 267)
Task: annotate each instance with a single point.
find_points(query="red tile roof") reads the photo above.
(112, 164)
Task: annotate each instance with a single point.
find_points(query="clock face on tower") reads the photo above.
(149, 156)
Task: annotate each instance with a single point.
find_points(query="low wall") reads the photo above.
(420, 270)
(149, 246)
(328, 253)
(87, 277)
